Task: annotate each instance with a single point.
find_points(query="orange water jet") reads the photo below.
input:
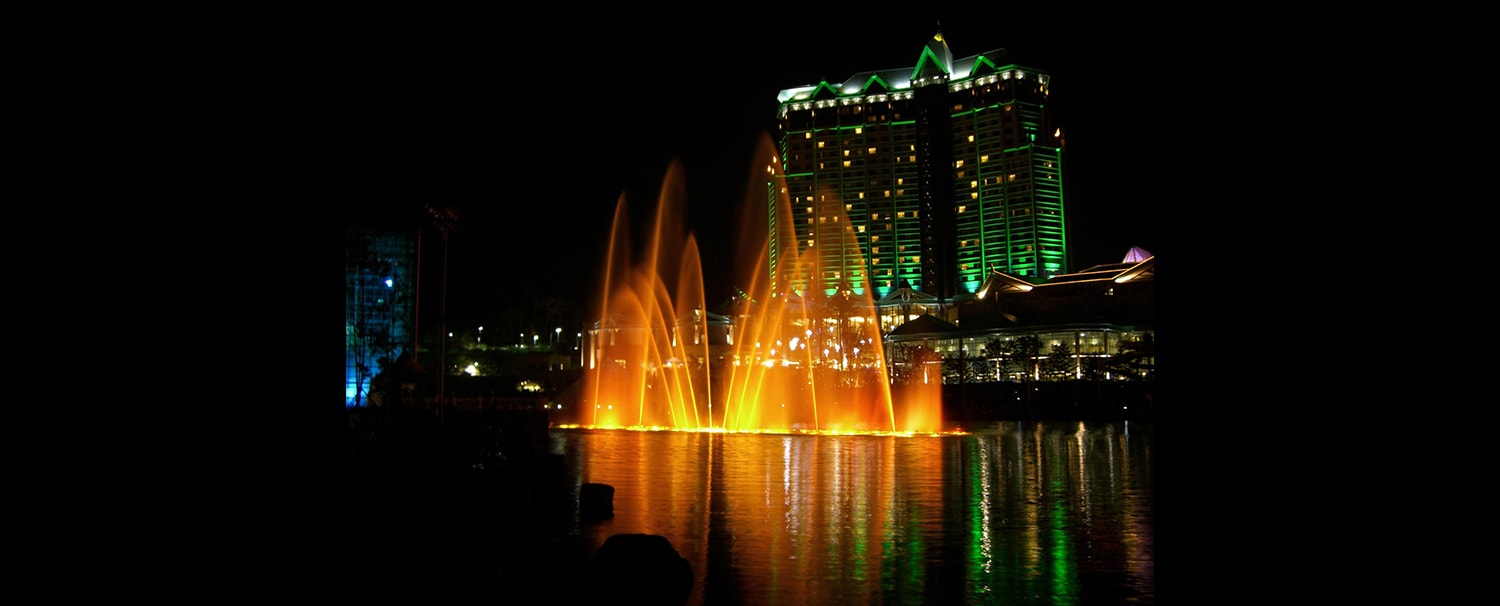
(782, 361)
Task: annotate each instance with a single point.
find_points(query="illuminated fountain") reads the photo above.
(784, 361)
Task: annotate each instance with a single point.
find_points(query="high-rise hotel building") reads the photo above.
(930, 175)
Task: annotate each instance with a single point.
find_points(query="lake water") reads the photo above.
(1014, 513)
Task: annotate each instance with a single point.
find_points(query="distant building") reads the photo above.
(1102, 318)
(932, 176)
(380, 306)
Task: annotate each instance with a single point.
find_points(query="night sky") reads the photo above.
(462, 113)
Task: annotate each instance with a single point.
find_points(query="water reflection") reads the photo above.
(1019, 513)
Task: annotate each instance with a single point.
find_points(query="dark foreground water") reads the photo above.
(1014, 513)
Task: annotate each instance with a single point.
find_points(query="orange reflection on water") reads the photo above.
(1039, 513)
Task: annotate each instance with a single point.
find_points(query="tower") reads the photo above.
(929, 175)
(380, 305)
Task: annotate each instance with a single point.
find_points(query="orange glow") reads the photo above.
(794, 361)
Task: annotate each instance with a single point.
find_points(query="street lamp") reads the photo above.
(556, 337)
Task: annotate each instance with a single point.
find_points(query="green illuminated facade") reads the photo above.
(933, 175)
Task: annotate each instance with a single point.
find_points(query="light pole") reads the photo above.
(556, 337)
(446, 220)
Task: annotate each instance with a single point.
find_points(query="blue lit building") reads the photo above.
(380, 305)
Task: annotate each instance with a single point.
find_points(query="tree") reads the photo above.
(1025, 352)
(909, 364)
(1059, 363)
(1137, 359)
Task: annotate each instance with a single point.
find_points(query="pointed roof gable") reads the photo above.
(925, 325)
(824, 90)
(999, 281)
(906, 295)
(936, 60)
(875, 85)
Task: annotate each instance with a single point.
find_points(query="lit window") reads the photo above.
(872, 151)
(846, 164)
(962, 208)
(820, 145)
(846, 152)
(973, 184)
(958, 164)
(971, 138)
